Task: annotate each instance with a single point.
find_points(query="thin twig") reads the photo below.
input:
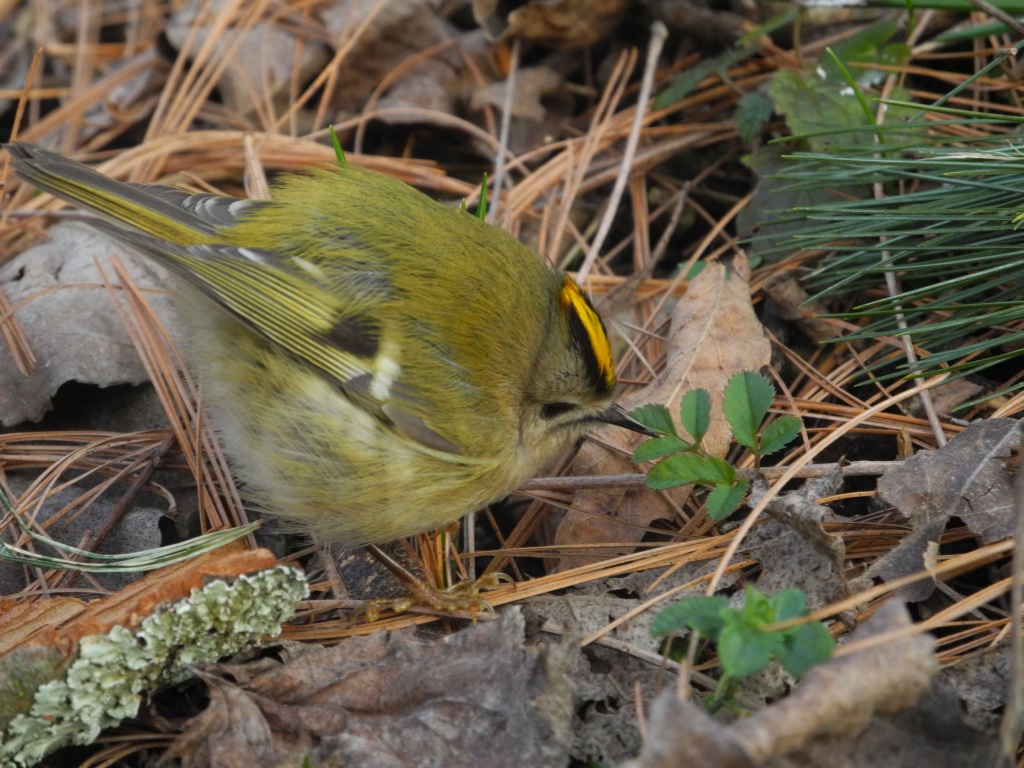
(635, 480)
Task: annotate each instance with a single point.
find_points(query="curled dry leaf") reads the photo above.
(71, 323)
(480, 696)
(931, 733)
(714, 334)
(967, 478)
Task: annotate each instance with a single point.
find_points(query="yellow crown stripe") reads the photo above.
(573, 299)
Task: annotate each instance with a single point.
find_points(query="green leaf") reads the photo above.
(779, 434)
(753, 111)
(701, 612)
(821, 111)
(787, 604)
(686, 468)
(716, 471)
(724, 499)
(657, 447)
(655, 416)
(698, 266)
(743, 651)
(757, 610)
(481, 207)
(858, 93)
(339, 153)
(809, 645)
(695, 413)
(868, 46)
(748, 396)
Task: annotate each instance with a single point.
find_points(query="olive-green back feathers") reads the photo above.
(419, 313)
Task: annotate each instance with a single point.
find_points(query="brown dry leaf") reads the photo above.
(794, 304)
(931, 733)
(795, 551)
(834, 701)
(543, 103)
(701, 19)
(606, 727)
(947, 396)
(981, 682)
(71, 323)
(714, 334)
(532, 84)
(439, 86)
(967, 478)
(563, 24)
(482, 694)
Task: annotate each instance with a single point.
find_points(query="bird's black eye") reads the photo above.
(554, 410)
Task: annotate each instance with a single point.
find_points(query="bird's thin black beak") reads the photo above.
(617, 416)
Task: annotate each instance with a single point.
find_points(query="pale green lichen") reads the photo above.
(106, 682)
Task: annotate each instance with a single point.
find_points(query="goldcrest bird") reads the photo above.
(377, 364)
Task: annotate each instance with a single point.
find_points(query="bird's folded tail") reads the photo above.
(137, 206)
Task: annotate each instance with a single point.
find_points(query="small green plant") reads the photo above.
(339, 153)
(481, 208)
(745, 637)
(748, 396)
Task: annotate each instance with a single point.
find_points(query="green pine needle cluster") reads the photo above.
(922, 193)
